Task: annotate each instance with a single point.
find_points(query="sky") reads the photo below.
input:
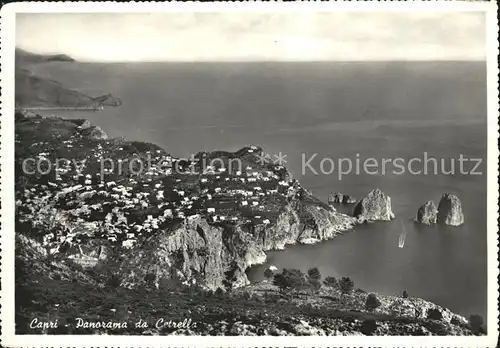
(291, 36)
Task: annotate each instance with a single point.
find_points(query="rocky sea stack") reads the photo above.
(427, 213)
(338, 197)
(374, 207)
(450, 210)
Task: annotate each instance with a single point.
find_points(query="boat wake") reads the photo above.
(402, 237)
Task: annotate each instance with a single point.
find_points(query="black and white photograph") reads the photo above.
(238, 172)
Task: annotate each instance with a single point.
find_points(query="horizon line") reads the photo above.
(233, 61)
(274, 61)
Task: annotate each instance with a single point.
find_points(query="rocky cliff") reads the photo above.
(375, 206)
(427, 213)
(450, 210)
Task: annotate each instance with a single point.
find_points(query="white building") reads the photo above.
(128, 243)
(167, 213)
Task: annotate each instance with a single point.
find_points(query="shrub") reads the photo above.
(476, 322)
(346, 285)
(219, 293)
(314, 273)
(247, 295)
(290, 279)
(150, 279)
(330, 282)
(269, 274)
(405, 294)
(314, 278)
(113, 281)
(372, 302)
(434, 314)
(368, 327)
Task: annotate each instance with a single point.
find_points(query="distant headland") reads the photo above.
(36, 92)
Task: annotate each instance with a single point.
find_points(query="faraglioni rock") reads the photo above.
(374, 207)
(427, 213)
(338, 197)
(450, 210)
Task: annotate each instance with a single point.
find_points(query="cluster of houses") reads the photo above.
(132, 206)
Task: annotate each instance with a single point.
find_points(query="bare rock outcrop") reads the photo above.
(450, 210)
(376, 206)
(427, 213)
(96, 133)
(338, 197)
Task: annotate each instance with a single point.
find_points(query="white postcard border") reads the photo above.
(7, 177)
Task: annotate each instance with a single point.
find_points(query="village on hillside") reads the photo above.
(123, 205)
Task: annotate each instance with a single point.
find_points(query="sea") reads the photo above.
(337, 113)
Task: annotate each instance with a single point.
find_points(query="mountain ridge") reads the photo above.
(24, 57)
(32, 91)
